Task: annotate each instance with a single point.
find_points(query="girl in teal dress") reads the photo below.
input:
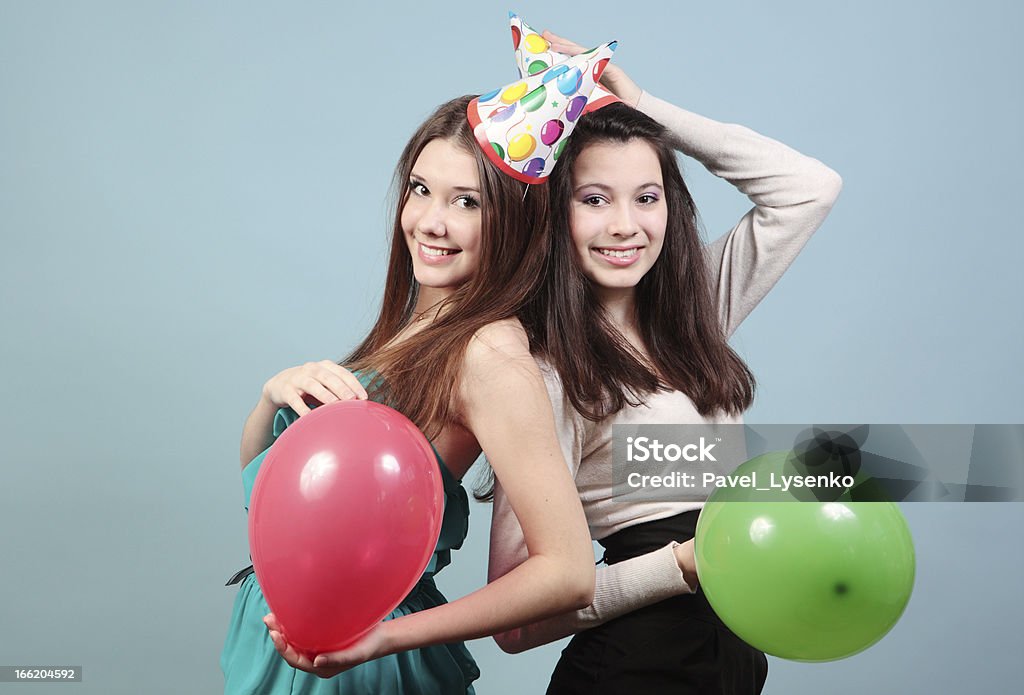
(251, 664)
(468, 248)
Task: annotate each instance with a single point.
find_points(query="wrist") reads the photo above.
(622, 86)
(630, 94)
(266, 402)
(687, 563)
(683, 559)
(387, 642)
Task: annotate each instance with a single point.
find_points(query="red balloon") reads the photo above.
(343, 519)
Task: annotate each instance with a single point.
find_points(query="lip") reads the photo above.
(435, 260)
(618, 262)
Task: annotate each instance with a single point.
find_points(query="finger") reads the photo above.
(552, 38)
(560, 41)
(332, 662)
(296, 403)
(348, 378)
(270, 620)
(566, 48)
(290, 653)
(328, 672)
(324, 664)
(324, 661)
(279, 644)
(338, 386)
(314, 388)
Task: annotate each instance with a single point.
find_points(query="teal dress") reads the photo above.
(251, 664)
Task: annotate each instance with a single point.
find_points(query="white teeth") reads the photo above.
(436, 252)
(628, 253)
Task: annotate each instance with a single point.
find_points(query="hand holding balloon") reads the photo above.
(323, 381)
(372, 646)
(613, 78)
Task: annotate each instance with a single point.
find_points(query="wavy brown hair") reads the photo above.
(418, 374)
(676, 311)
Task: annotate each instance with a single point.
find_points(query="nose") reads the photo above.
(432, 221)
(623, 224)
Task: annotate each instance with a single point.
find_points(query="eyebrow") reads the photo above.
(460, 189)
(604, 187)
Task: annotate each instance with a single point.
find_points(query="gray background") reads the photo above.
(191, 199)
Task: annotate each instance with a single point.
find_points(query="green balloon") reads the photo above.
(807, 581)
(535, 99)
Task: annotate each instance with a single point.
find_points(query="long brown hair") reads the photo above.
(677, 317)
(417, 375)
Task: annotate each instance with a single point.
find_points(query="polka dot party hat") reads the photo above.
(522, 127)
(534, 54)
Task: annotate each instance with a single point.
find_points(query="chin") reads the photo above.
(618, 282)
(439, 281)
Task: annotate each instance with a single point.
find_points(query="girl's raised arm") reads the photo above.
(792, 194)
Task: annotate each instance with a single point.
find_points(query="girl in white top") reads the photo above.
(632, 327)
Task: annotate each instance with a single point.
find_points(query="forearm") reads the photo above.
(538, 588)
(502, 395)
(792, 196)
(258, 434)
(620, 589)
(770, 173)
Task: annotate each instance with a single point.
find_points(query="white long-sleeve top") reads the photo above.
(792, 194)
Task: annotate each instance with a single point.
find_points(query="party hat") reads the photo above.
(522, 127)
(534, 54)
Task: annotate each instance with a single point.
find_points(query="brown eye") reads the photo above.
(467, 202)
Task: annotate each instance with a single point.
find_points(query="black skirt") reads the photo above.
(676, 646)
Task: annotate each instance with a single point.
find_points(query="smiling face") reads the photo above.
(618, 212)
(441, 219)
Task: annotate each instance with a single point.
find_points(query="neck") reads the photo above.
(619, 304)
(428, 302)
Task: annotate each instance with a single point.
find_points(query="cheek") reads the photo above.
(470, 236)
(581, 234)
(580, 248)
(408, 217)
(658, 225)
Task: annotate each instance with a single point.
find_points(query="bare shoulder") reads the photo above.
(497, 343)
(498, 361)
(505, 334)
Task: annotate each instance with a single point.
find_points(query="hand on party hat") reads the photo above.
(619, 85)
(536, 53)
(523, 126)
